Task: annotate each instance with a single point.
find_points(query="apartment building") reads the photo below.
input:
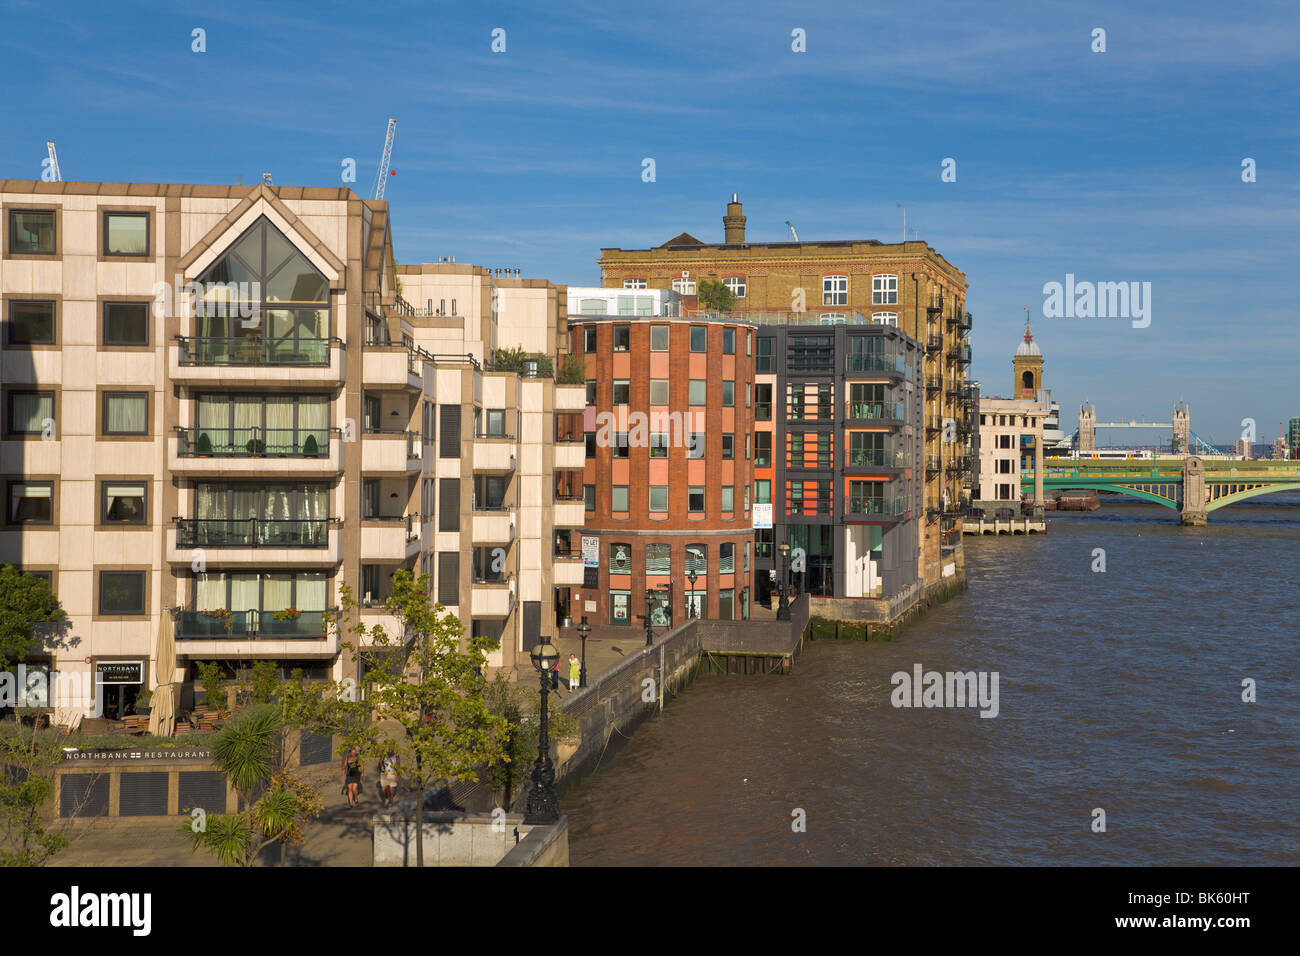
(905, 285)
(217, 407)
(668, 427)
(1012, 432)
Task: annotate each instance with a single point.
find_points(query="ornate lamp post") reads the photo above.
(543, 805)
(692, 610)
(783, 605)
(584, 629)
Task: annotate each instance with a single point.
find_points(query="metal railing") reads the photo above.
(934, 343)
(876, 411)
(873, 505)
(810, 505)
(876, 458)
(254, 350)
(242, 625)
(252, 532)
(893, 364)
(254, 442)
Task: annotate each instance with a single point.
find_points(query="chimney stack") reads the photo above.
(733, 223)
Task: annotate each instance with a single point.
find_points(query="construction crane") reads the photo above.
(55, 175)
(792, 232)
(382, 175)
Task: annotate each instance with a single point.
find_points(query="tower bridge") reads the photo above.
(1184, 441)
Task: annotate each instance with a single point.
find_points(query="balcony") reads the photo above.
(390, 538)
(570, 398)
(391, 451)
(876, 507)
(965, 322)
(494, 453)
(571, 457)
(892, 365)
(964, 357)
(256, 542)
(394, 366)
(936, 303)
(959, 464)
(569, 513)
(933, 382)
(934, 343)
(568, 568)
(206, 360)
(810, 505)
(492, 525)
(491, 600)
(241, 625)
(932, 465)
(888, 412)
(254, 452)
(876, 458)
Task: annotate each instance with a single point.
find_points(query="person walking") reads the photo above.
(388, 777)
(555, 674)
(352, 776)
(575, 672)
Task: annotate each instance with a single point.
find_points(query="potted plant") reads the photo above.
(288, 614)
(143, 701)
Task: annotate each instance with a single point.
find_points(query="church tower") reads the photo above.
(1028, 366)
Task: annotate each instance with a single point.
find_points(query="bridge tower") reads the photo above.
(1028, 366)
(1182, 428)
(1194, 497)
(1087, 427)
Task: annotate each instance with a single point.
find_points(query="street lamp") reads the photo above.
(543, 805)
(691, 609)
(584, 629)
(783, 605)
(650, 598)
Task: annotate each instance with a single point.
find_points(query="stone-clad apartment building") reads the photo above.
(827, 289)
(216, 405)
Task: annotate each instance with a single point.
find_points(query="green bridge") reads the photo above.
(1193, 486)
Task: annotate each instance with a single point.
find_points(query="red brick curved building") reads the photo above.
(669, 428)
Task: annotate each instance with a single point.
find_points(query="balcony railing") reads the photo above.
(876, 411)
(414, 446)
(567, 554)
(254, 442)
(874, 363)
(243, 625)
(410, 521)
(933, 382)
(932, 464)
(965, 321)
(252, 533)
(873, 505)
(876, 458)
(810, 505)
(934, 343)
(254, 350)
(763, 411)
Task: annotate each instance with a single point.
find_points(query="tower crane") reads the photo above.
(55, 175)
(381, 175)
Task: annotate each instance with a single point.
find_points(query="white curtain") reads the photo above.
(243, 592)
(128, 413)
(313, 413)
(311, 592)
(279, 424)
(277, 592)
(210, 503)
(210, 591)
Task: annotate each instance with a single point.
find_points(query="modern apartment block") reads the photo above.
(217, 406)
(668, 425)
(906, 285)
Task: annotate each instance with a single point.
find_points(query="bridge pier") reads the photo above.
(1193, 510)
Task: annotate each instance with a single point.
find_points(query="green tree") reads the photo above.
(27, 762)
(573, 371)
(25, 603)
(424, 694)
(716, 297)
(248, 752)
(520, 706)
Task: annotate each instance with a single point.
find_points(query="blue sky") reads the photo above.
(1115, 166)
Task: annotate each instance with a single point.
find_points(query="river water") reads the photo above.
(1119, 690)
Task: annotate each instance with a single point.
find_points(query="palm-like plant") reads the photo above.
(246, 749)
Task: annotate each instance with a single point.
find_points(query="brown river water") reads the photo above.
(1119, 690)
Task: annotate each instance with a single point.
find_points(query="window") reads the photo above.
(622, 391)
(123, 502)
(746, 446)
(697, 560)
(699, 338)
(728, 394)
(762, 491)
(29, 411)
(620, 558)
(121, 592)
(728, 499)
(726, 558)
(832, 318)
(589, 497)
(762, 449)
(728, 341)
(489, 566)
(763, 398)
(766, 355)
(489, 493)
(736, 284)
(726, 602)
(32, 232)
(697, 391)
(811, 353)
(749, 342)
(684, 285)
(591, 443)
(746, 552)
(658, 391)
(622, 338)
(634, 283)
(125, 413)
(695, 444)
(30, 502)
(728, 445)
(591, 391)
(593, 307)
(658, 338)
(659, 444)
(589, 333)
(494, 423)
(618, 498)
(621, 449)
(31, 323)
(835, 290)
(658, 559)
(659, 498)
(884, 290)
(748, 394)
(885, 318)
(126, 233)
(695, 499)
(746, 505)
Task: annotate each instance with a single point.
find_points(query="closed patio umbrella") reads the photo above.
(162, 717)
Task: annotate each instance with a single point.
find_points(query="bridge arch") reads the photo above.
(1216, 503)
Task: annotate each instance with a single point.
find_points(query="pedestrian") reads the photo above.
(388, 777)
(575, 672)
(555, 674)
(352, 776)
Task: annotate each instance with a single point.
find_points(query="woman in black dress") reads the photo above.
(352, 775)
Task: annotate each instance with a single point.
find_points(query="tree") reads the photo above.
(248, 750)
(716, 297)
(424, 699)
(573, 371)
(27, 762)
(25, 602)
(520, 706)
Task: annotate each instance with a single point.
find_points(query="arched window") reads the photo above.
(1027, 378)
(620, 558)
